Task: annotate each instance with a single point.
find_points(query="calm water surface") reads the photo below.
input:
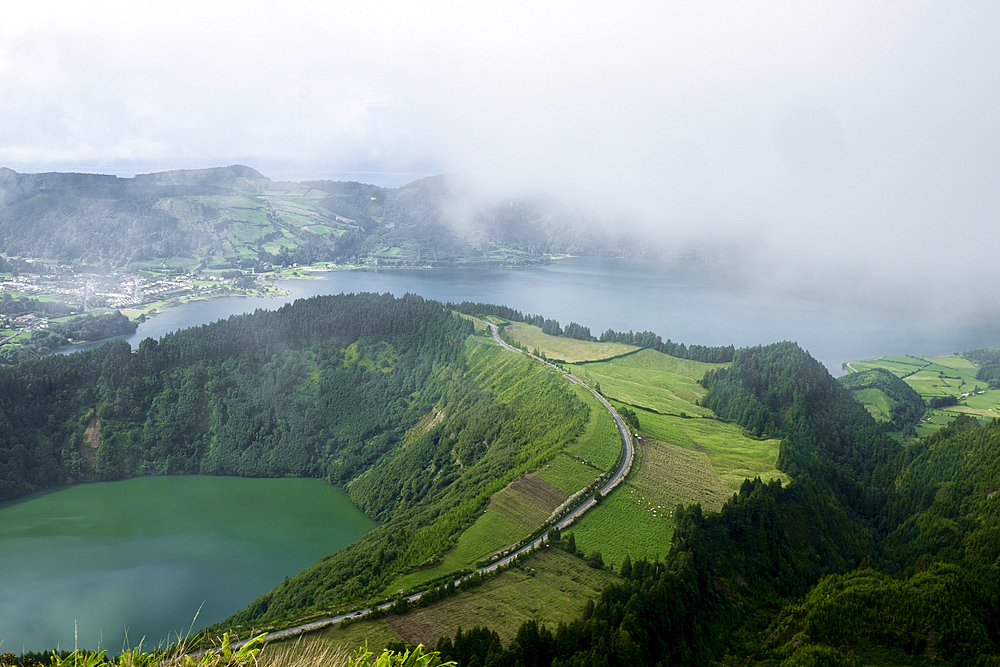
(146, 554)
(686, 301)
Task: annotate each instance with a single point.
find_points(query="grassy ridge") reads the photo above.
(680, 459)
(567, 473)
(599, 446)
(566, 349)
(502, 416)
(650, 380)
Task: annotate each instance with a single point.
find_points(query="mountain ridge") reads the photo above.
(236, 217)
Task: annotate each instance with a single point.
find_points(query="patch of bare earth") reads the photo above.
(417, 628)
(527, 501)
(91, 440)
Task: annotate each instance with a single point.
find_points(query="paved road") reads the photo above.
(574, 514)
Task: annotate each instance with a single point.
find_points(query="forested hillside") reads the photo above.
(324, 385)
(235, 217)
(875, 553)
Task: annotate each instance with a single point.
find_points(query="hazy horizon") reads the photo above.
(850, 148)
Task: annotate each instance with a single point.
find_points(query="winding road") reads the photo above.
(590, 501)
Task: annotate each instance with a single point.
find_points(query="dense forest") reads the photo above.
(874, 553)
(235, 217)
(324, 384)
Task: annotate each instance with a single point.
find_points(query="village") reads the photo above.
(29, 301)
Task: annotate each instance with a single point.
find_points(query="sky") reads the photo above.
(837, 144)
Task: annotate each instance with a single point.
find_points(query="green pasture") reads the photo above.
(599, 445)
(650, 380)
(679, 459)
(933, 421)
(567, 473)
(527, 502)
(551, 587)
(733, 455)
(984, 405)
(933, 377)
(523, 506)
(876, 402)
(897, 365)
(566, 349)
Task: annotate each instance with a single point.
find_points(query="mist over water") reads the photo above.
(687, 301)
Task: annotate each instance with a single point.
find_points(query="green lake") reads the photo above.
(142, 556)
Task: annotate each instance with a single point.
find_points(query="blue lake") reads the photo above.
(688, 302)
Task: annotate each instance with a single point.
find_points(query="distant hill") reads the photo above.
(235, 217)
(888, 398)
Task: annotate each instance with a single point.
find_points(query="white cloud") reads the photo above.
(850, 131)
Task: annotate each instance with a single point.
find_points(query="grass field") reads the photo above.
(637, 518)
(679, 460)
(876, 402)
(552, 587)
(650, 380)
(567, 473)
(567, 349)
(899, 366)
(934, 377)
(512, 515)
(599, 445)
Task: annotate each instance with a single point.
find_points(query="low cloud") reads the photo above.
(824, 147)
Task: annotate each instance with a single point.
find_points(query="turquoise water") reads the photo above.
(144, 555)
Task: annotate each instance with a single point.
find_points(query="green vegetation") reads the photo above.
(236, 218)
(889, 399)
(768, 520)
(947, 386)
(550, 586)
(566, 349)
(650, 380)
(599, 446)
(548, 330)
(252, 652)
